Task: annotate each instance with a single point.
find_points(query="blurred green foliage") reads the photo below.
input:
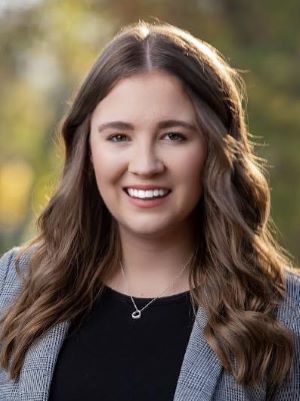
(48, 46)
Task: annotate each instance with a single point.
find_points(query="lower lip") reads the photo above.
(147, 202)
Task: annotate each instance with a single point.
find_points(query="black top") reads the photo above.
(113, 357)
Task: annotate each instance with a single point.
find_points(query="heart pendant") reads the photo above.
(136, 314)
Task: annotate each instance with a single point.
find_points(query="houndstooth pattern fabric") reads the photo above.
(202, 378)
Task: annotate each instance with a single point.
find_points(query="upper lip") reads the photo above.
(145, 187)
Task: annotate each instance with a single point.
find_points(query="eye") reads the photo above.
(177, 135)
(116, 137)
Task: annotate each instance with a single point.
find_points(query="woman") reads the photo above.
(155, 275)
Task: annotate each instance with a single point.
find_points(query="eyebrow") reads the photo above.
(161, 124)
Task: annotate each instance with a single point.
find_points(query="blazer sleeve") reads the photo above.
(290, 315)
(6, 261)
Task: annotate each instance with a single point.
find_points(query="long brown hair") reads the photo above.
(237, 273)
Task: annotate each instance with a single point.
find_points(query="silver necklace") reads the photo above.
(138, 312)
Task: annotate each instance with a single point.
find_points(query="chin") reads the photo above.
(150, 231)
(146, 232)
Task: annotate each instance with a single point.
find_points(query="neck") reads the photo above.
(151, 265)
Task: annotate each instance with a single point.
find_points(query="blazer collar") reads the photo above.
(201, 368)
(39, 363)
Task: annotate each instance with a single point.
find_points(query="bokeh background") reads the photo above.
(47, 46)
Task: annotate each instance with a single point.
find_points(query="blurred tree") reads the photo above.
(47, 47)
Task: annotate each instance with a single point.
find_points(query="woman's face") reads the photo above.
(144, 133)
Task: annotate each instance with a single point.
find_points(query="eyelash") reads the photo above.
(183, 138)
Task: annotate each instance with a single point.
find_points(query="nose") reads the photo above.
(144, 161)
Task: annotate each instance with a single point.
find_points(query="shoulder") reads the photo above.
(10, 278)
(293, 285)
(289, 309)
(6, 261)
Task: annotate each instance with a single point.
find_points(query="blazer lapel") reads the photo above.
(200, 369)
(39, 363)
(197, 380)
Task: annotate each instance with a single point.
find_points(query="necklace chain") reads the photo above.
(138, 312)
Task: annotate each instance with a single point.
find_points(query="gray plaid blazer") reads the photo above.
(202, 378)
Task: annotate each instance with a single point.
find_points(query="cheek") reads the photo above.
(107, 166)
(190, 170)
(190, 166)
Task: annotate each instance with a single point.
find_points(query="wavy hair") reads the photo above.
(238, 271)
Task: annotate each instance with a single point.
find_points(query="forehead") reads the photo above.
(155, 93)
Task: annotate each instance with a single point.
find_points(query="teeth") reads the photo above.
(139, 193)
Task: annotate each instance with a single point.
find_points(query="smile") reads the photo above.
(151, 201)
(147, 194)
